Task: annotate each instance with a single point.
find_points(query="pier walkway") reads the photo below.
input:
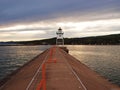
(54, 69)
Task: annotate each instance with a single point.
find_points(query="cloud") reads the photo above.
(71, 29)
(37, 19)
(33, 10)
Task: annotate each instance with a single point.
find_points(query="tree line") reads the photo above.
(96, 40)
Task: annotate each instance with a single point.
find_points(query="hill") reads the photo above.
(113, 39)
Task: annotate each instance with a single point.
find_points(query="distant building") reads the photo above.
(59, 39)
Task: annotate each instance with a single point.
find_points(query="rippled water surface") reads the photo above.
(12, 57)
(103, 59)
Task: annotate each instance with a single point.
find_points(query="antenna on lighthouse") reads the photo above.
(59, 39)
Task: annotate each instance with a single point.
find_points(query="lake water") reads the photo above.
(12, 57)
(103, 59)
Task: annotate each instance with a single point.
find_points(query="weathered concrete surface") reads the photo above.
(90, 79)
(59, 74)
(21, 79)
(66, 74)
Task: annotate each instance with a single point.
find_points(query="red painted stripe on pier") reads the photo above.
(42, 83)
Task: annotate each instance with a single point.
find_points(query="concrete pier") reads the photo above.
(54, 69)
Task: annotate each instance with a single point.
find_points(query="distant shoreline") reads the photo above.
(113, 39)
(67, 44)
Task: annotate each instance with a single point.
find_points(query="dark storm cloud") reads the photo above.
(21, 10)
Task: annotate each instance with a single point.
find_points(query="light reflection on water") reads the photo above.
(12, 57)
(103, 59)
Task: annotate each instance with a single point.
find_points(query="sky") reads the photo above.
(22, 20)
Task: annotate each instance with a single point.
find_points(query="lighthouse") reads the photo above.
(59, 39)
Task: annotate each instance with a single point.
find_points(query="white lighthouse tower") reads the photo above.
(59, 39)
